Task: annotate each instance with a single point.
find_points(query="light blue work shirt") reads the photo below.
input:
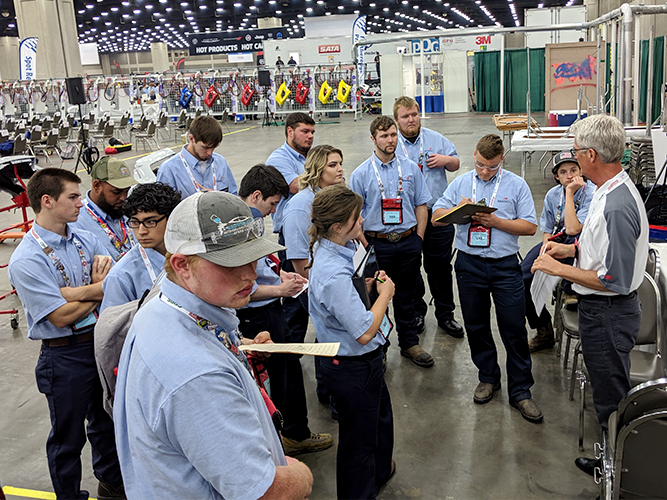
(415, 193)
(290, 163)
(86, 222)
(38, 282)
(172, 172)
(189, 419)
(553, 202)
(296, 221)
(513, 201)
(334, 305)
(433, 143)
(129, 278)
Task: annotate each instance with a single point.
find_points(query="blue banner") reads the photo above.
(28, 58)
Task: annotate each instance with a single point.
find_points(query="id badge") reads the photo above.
(85, 323)
(392, 211)
(479, 236)
(385, 326)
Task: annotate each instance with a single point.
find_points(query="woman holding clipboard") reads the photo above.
(355, 376)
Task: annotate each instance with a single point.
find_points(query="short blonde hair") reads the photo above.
(316, 160)
(490, 146)
(404, 102)
(192, 260)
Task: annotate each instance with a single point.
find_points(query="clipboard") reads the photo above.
(463, 213)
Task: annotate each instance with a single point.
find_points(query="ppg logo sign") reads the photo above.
(428, 45)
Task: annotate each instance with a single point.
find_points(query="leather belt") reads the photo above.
(71, 339)
(392, 237)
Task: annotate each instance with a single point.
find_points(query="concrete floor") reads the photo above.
(445, 446)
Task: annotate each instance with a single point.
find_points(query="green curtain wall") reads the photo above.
(487, 73)
(658, 58)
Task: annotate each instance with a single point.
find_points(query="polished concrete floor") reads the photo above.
(445, 445)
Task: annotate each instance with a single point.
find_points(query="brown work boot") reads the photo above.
(543, 340)
(418, 356)
(316, 442)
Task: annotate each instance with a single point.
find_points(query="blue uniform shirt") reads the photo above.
(290, 163)
(296, 221)
(552, 201)
(86, 222)
(364, 182)
(38, 282)
(189, 419)
(513, 201)
(173, 173)
(334, 305)
(129, 279)
(433, 142)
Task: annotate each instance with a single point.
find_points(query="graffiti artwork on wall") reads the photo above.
(574, 72)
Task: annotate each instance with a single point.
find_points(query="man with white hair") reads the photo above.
(191, 421)
(610, 261)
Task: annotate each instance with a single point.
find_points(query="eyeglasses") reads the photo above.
(489, 167)
(573, 151)
(239, 226)
(148, 223)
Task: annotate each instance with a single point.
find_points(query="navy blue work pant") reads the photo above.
(365, 423)
(437, 251)
(270, 318)
(402, 262)
(608, 327)
(478, 280)
(68, 377)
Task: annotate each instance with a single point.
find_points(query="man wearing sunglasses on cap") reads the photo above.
(147, 209)
(191, 422)
(487, 266)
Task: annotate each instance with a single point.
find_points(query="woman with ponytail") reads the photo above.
(355, 376)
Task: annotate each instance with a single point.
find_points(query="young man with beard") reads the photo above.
(290, 159)
(58, 270)
(197, 167)
(395, 216)
(102, 211)
(147, 210)
(435, 156)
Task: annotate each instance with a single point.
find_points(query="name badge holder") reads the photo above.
(386, 326)
(85, 323)
(392, 208)
(479, 236)
(392, 211)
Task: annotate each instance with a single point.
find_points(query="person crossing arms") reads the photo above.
(355, 376)
(487, 266)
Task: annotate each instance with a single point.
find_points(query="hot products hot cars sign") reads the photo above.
(227, 42)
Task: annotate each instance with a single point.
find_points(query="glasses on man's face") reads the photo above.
(148, 223)
(489, 167)
(240, 226)
(573, 151)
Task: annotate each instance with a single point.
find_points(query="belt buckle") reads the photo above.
(393, 237)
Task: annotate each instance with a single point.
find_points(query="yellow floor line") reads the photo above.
(177, 146)
(22, 492)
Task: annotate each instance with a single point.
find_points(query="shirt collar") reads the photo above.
(221, 316)
(391, 162)
(52, 239)
(492, 179)
(346, 251)
(293, 152)
(410, 141)
(191, 160)
(97, 209)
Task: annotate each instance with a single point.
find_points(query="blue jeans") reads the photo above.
(478, 280)
(437, 250)
(365, 423)
(608, 327)
(68, 377)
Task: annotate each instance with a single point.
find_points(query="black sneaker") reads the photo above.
(108, 492)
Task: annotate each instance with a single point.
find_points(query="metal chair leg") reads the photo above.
(575, 370)
(582, 397)
(567, 351)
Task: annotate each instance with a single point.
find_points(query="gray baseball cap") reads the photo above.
(218, 227)
(564, 157)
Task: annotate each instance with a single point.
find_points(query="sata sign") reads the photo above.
(328, 49)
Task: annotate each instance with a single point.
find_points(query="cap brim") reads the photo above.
(243, 254)
(123, 183)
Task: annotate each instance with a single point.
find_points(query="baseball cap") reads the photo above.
(563, 157)
(218, 227)
(113, 171)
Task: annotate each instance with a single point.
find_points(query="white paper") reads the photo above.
(303, 289)
(541, 289)
(329, 349)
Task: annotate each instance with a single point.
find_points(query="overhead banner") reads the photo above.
(28, 58)
(359, 33)
(229, 42)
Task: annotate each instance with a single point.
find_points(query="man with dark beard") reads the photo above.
(102, 211)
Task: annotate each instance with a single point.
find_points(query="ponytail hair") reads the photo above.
(332, 205)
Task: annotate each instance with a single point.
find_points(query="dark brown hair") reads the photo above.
(206, 129)
(49, 181)
(490, 146)
(294, 119)
(382, 123)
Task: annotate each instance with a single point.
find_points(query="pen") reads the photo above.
(378, 279)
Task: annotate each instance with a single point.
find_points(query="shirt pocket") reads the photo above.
(506, 208)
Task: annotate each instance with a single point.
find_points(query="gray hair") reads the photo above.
(605, 134)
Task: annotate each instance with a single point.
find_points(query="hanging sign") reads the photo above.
(228, 42)
(28, 58)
